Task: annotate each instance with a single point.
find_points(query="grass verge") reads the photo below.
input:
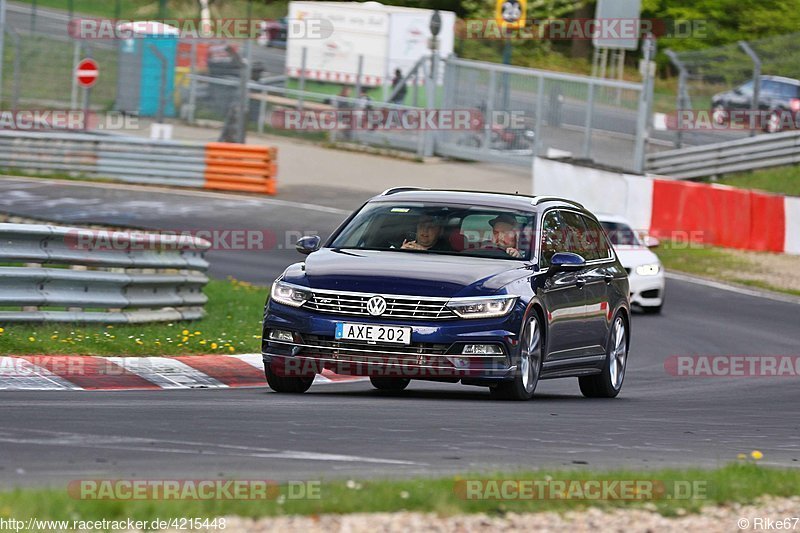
(780, 180)
(736, 483)
(775, 272)
(232, 325)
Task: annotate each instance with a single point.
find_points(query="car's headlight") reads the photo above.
(287, 294)
(648, 270)
(482, 307)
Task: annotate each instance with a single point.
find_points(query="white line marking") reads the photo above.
(182, 192)
(787, 298)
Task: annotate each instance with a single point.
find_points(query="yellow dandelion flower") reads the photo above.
(231, 349)
(32, 339)
(213, 345)
(197, 333)
(755, 454)
(1, 330)
(741, 456)
(185, 332)
(202, 342)
(185, 339)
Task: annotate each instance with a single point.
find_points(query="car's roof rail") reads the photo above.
(540, 199)
(393, 190)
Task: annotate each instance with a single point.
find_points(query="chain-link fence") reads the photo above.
(724, 79)
(533, 111)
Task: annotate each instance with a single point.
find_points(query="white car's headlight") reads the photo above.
(648, 270)
(288, 294)
(488, 307)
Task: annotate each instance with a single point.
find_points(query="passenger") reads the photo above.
(429, 235)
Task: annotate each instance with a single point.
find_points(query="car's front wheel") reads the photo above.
(294, 385)
(528, 367)
(608, 383)
(390, 384)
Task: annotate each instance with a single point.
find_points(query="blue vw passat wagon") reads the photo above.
(485, 289)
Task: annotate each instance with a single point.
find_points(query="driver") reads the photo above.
(505, 234)
(429, 232)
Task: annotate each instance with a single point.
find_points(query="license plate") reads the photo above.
(372, 333)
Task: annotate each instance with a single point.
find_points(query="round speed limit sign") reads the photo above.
(510, 13)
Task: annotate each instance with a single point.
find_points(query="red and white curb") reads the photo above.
(77, 372)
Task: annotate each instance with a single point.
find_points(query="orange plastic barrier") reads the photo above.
(241, 167)
(718, 215)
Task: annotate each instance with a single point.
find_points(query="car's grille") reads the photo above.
(355, 304)
(324, 346)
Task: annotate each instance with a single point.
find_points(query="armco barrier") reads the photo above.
(761, 151)
(717, 214)
(225, 166)
(65, 274)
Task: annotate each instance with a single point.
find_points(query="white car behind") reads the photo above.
(645, 271)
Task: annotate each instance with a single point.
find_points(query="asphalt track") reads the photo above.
(351, 430)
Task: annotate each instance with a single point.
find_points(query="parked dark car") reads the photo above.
(488, 289)
(778, 102)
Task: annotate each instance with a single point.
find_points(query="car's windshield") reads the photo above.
(621, 234)
(440, 228)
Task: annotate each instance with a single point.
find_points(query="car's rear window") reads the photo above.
(440, 228)
(620, 234)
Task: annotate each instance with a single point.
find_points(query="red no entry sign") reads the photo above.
(87, 73)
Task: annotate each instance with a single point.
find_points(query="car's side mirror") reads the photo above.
(566, 262)
(651, 242)
(306, 245)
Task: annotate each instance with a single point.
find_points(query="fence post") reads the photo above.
(247, 72)
(488, 114)
(76, 57)
(681, 100)
(756, 82)
(2, 42)
(642, 119)
(86, 96)
(587, 135)
(17, 73)
(539, 125)
(302, 80)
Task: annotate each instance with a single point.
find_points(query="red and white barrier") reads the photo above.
(716, 214)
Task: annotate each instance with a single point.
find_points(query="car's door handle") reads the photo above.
(580, 282)
(608, 278)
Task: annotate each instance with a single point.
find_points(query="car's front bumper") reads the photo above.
(647, 291)
(434, 352)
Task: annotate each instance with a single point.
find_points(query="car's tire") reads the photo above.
(390, 384)
(529, 365)
(608, 383)
(285, 384)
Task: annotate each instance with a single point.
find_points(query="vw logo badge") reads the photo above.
(376, 306)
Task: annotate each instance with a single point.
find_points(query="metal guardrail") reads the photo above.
(61, 274)
(761, 151)
(125, 158)
(224, 166)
